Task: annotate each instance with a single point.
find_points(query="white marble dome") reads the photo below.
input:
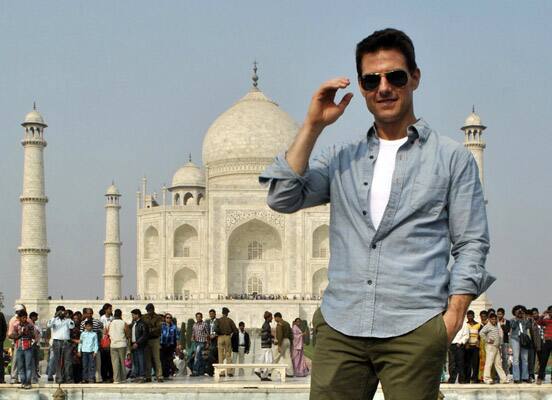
(472, 119)
(189, 175)
(112, 191)
(34, 117)
(254, 127)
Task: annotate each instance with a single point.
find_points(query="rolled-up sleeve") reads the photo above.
(289, 191)
(468, 228)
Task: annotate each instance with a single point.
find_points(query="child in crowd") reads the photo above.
(491, 335)
(88, 347)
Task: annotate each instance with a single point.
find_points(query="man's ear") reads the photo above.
(416, 76)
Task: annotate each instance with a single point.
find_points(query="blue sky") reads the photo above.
(129, 88)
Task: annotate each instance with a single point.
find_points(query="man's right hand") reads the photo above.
(323, 110)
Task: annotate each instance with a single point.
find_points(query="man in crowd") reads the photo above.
(200, 339)
(472, 348)
(240, 346)
(505, 346)
(24, 334)
(484, 319)
(3, 332)
(153, 349)
(61, 327)
(492, 337)
(266, 356)
(225, 328)
(400, 196)
(546, 323)
(520, 350)
(457, 355)
(536, 338)
(213, 350)
(284, 337)
(170, 336)
(97, 327)
(33, 317)
(138, 342)
(11, 325)
(106, 368)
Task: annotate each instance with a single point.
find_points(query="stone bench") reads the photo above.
(281, 368)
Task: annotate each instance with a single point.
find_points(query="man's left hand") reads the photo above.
(456, 311)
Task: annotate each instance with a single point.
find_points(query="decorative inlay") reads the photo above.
(234, 217)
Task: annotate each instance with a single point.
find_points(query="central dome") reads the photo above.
(254, 127)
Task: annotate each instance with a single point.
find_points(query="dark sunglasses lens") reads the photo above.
(370, 82)
(397, 78)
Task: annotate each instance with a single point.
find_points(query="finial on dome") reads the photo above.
(473, 108)
(34, 105)
(190, 157)
(255, 77)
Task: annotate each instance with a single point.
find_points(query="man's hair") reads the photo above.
(198, 313)
(21, 313)
(118, 313)
(136, 311)
(387, 39)
(77, 313)
(60, 308)
(33, 315)
(484, 312)
(491, 310)
(225, 311)
(241, 323)
(150, 306)
(267, 314)
(88, 322)
(492, 315)
(470, 312)
(518, 307)
(101, 312)
(534, 309)
(501, 310)
(87, 310)
(106, 306)
(211, 310)
(549, 308)
(277, 315)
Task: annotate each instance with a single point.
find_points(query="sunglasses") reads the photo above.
(397, 78)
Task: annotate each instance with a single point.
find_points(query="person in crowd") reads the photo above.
(170, 335)
(74, 337)
(483, 318)
(492, 336)
(213, 346)
(153, 348)
(300, 367)
(97, 327)
(266, 355)
(139, 333)
(105, 354)
(224, 328)
(520, 326)
(3, 334)
(61, 327)
(533, 316)
(472, 349)
(505, 346)
(88, 348)
(241, 345)
(546, 323)
(200, 339)
(11, 325)
(457, 356)
(33, 317)
(119, 333)
(25, 335)
(284, 338)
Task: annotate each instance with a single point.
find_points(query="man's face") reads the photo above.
(242, 328)
(23, 319)
(470, 317)
(535, 314)
(493, 320)
(519, 313)
(88, 314)
(484, 318)
(212, 314)
(108, 311)
(389, 104)
(34, 319)
(150, 311)
(199, 317)
(76, 318)
(500, 315)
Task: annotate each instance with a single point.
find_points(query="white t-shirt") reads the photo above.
(383, 178)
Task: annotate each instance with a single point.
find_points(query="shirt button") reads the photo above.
(369, 281)
(374, 246)
(365, 183)
(364, 212)
(371, 157)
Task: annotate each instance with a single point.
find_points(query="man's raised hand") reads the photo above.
(323, 110)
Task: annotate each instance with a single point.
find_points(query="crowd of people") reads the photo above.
(493, 348)
(84, 349)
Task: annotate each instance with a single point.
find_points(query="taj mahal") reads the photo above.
(208, 239)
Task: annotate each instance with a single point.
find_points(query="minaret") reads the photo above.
(34, 247)
(112, 264)
(473, 131)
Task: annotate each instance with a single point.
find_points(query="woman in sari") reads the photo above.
(300, 366)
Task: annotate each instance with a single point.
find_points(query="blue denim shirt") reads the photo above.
(389, 281)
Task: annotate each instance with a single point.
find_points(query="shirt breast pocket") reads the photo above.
(429, 194)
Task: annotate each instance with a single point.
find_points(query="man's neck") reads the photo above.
(395, 130)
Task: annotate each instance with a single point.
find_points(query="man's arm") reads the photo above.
(470, 240)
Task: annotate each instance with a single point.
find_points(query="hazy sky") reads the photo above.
(129, 88)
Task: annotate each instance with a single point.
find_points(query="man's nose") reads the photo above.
(384, 87)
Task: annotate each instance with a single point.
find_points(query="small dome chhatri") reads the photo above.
(34, 117)
(189, 175)
(112, 190)
(473, 119)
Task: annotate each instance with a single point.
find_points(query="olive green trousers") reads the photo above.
(350, 368)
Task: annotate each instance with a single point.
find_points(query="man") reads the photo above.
(33, 316)
(153, 349)
(11, 326)
(266, 356)
(61, 327)
(97, 327)
(138, 341)
(213, 351)
(400, 196)
(3, 332)
(200, 339)
(505, 346)
(457, 355)
(492, 337)
(472, 349)
(106, 369)
(240, 346)
(24, 335)
(225, 327)
(546, 323)
(484, 319)
(520, 350)
(533, 316)
(284, 337)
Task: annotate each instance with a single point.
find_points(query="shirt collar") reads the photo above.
(418, 130)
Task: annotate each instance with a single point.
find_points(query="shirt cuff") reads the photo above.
(469, 279)
(280, 169)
